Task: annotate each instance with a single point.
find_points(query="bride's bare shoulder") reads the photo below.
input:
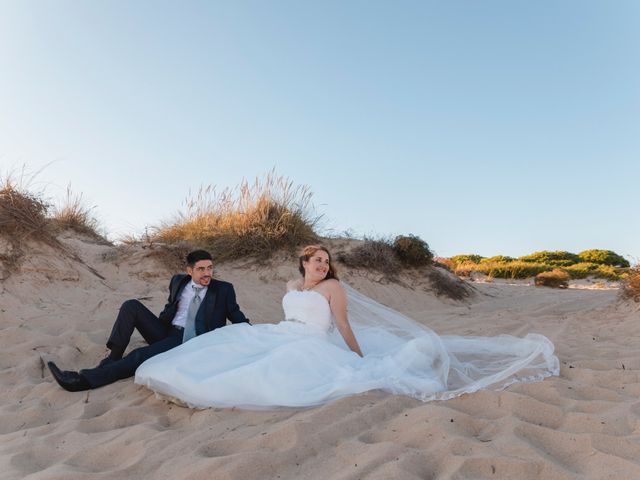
(294, 285)
(332, 285)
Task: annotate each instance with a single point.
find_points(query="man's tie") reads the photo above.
(190, 326)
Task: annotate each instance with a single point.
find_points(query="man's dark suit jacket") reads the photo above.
(218, 306)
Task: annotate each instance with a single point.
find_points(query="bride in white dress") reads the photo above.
(302, 361)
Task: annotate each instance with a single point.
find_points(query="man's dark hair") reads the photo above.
(198, 255)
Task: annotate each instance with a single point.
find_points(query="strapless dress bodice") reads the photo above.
(307, 307)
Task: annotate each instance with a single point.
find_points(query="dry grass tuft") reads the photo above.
(447, 284)
(555, 278)
(372, 254)
(251, 220)
(630, 287)
(22, 213)
(22, 217)
(74, 214)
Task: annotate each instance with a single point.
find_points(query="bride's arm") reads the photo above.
(338, 303)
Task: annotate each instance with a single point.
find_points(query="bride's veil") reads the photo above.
(430, 366)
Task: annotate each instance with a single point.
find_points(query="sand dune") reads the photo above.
(583, 424)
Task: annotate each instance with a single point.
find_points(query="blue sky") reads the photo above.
(493, 127)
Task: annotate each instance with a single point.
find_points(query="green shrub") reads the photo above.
(557, 258)
(581, 270)
(498, 259)
(513, 270)
(603, 257)
(609, 273)
(604, 264)
(586, 269)
(556, 278)
(469, 258)
(412, 251)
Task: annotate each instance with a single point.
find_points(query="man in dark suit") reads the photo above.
(197, 304)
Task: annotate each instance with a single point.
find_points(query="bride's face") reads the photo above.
(317, 267)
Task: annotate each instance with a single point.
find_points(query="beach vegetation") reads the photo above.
(556, 278)
(582, 270)
(254, 219)
(373, 254)
(557, 258)
(603, 257)
(74, 214)
(467, 258)
(391, 258)
(464, 269)
(444, 262)
(498, 259)
(512, 270)
(25, 215)
(588, 269)
(412, 251)
(608, 265)
(630, 287)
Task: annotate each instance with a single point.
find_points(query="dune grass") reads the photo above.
(252, 220)
(23, 216)
(26, 216)
(74, 214)
(630, 288)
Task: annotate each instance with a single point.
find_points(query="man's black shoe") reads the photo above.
(70, 381)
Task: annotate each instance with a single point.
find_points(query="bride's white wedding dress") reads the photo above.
(303, 361)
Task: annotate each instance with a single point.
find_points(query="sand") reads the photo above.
(582, 424)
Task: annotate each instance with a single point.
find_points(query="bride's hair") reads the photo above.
(309, 251)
